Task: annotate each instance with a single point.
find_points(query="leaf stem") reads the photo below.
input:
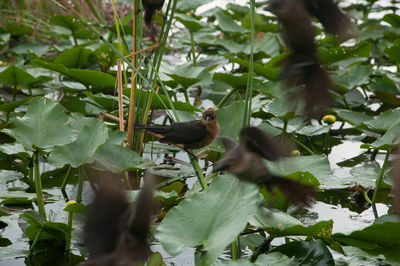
(249, 88)
(379, 182)
(65, 181)
(198, 171)
(38, 185)
(69, 231)
(193, 49)
(35, 241)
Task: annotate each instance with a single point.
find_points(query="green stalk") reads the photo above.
(226, 97)
(69, 232)
(31, 184)
(193, 48)
(379, 183)
(80, 187)
(198, 171)
(303, 146)
(249, 89)
(35, 241)
(38, 185)
(236, 249)
(66, 177)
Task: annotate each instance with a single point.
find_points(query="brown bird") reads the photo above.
(302, 67)
(114, 232)
(334, 20)
(245, 161)
(192, 134)
(150, 7)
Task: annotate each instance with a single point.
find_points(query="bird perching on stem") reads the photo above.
(193, 134)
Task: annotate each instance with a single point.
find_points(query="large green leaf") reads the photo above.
(190, 22)
(8, 107)
(393, 51)
(279, 224)
(189, 5)
(226, 206)
(388, 141)
(227, 23)
(27, 48)
(87, 77)
(317, 165)
(384, 121)
(43, 125)
(73, 58)
(230, 119)
(338, 53)
(66, 21)
(190, 76)
(15, 76)
(115, 158)
(92, 135)
(378, 238)
(269, 70)
(313, 252)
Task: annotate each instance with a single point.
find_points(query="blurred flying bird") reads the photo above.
(302, 66)
(150, 7)
(334, 20)
(192, 134)
(245, 161)
(114, 232)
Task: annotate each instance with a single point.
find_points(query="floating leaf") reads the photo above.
(87, 77)
(227, 23)
(383, 238)
(15, 76)
(73, 58)
(8, 107)
(113, 157)
(82, 151)
(313, 252)
(230, 204)
(43, 126)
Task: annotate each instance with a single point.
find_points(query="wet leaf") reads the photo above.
(313, 252)
(14, 75)
(82, 151)
(230, 204)
(43, 126)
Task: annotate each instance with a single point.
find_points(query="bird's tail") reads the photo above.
(299, 194)
(305, 71)
(148, 14)
(154, 129)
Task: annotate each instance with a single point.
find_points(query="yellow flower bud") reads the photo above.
(329, 119)
(71, 202)
(295, 153)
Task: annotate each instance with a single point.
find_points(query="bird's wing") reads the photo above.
(185, 132)
(257, 141)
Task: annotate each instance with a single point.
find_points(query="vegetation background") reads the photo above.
(69, 96)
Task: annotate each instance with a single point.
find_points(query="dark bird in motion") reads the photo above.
(245, 161)
(150, 7)
(190, 135)
(115, 233)
(302, 67)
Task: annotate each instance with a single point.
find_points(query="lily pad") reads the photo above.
(230, 204)
(43, 126)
